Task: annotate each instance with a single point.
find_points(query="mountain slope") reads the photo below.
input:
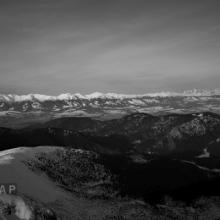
(189, 134)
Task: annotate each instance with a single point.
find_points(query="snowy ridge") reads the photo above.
(96, 95)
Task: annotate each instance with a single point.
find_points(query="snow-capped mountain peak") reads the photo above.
(29, 97)
(95, 95)
(99, 95)
(111, 103)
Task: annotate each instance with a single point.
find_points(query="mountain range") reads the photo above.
(104, 106)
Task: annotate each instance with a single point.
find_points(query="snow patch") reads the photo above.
(7, 155)
(205, 154)
(201, 167)
(36, 105)
(136, 102)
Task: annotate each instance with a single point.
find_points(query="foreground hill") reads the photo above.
(84, 185)
(106, 178)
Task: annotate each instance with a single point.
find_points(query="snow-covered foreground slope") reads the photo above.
(39, 189)
(13, 170)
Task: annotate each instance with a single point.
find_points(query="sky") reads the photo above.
(123, 46)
